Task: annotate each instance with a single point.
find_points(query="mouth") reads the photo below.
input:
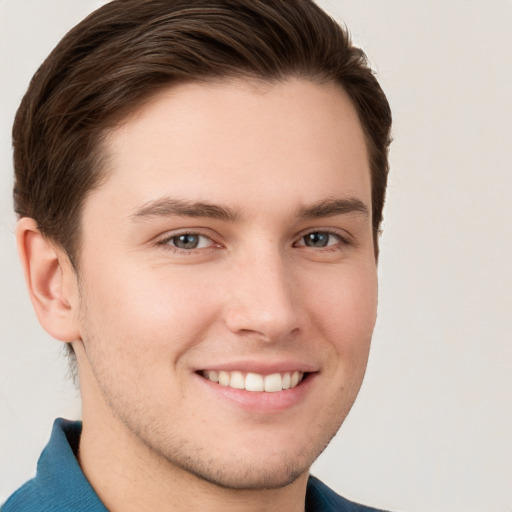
(255, 382)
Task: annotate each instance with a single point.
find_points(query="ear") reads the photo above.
(51, 282)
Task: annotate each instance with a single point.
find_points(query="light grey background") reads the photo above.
(432, 428)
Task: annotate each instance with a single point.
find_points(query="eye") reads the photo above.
(320, 239)
(188, 241)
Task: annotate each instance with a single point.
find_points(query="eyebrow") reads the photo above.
(333, 206)
(167, 207)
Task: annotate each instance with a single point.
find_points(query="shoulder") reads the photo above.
(320, 498)
(24, 499)
(59, 484)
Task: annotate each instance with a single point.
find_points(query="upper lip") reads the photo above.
(261, 367)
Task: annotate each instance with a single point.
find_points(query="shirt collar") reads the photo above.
(60, 481)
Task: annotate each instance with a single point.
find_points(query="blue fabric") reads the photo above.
(319, 498)
(60, 485)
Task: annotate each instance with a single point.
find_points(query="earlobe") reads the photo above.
(50, 280)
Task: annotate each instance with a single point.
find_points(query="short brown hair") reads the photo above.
(128, 50)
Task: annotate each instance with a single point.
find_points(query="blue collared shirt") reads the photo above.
(61, 486)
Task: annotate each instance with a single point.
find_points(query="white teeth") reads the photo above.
(274, 382)
(224, 378)
(295, 379)
(254, 381)
(237, 380)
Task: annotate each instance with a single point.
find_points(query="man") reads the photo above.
(200, 188)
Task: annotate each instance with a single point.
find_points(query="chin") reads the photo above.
(245, 478)
(256, 468)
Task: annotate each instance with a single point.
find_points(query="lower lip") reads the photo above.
(261, 401)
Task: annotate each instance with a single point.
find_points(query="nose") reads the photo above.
(262, 299)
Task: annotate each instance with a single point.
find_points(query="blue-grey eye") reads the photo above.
(186, 241)
(317, 239)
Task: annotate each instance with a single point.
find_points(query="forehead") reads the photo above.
(235, 141)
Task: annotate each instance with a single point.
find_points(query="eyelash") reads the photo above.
(342, 241)
(166, 242)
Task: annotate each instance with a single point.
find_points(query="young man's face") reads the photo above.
(232, 237)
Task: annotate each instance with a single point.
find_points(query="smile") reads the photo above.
(254, 381)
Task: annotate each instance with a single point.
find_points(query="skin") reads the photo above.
(279, 162)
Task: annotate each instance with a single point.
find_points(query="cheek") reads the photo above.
(145, 309)
(347, 307)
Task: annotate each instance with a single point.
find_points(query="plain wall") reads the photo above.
(432, 428)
